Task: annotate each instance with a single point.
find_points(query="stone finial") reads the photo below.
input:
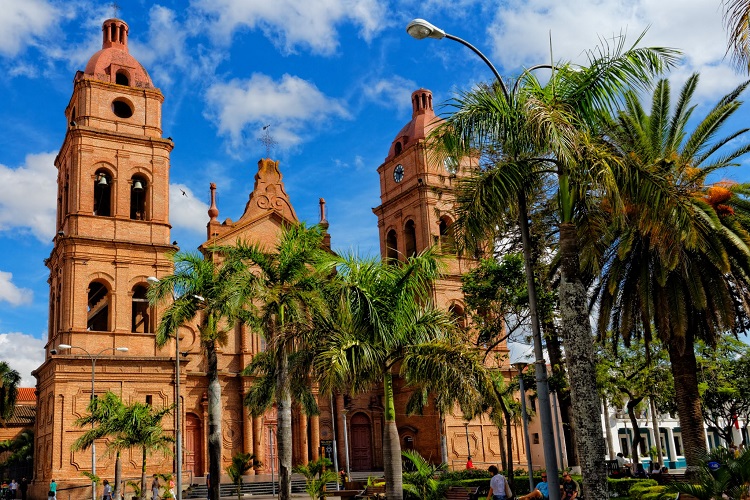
(213, 210)
(323, 221)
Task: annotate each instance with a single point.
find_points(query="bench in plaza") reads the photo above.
(461, 493)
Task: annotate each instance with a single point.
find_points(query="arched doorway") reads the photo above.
(361, 442)
(193, 445)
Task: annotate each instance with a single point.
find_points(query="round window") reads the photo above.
(122, 108)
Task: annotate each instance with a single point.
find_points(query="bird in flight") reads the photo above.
(183, 192)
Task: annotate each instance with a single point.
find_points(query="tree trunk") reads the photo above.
(284, 419)
(443, 440)
(685, 374)
(657, 434)
(563, 398)
(214, 421)
(394, 487)
(637, 438)
(610, 441)
(580, 360)
(118, 476)
(503, 448)
(143, 473)
(509, 443)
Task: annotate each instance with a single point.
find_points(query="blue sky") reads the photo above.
(332, 77)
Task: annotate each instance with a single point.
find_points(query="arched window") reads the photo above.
(410, 239)
(391, 247)
(399, 148)
(447, 242)
(141, 311)
(457, 313)
(138, 198)
(102, 193)
(98, 308)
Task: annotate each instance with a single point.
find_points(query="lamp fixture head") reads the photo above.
(64, 346)
(121, 349)
(152, 280)
(421, 29)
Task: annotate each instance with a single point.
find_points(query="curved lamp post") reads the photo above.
(421, 29)
(152, 280)
(93, 358)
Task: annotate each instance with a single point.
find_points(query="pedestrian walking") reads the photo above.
(107, 494)
(155, 488)
(24, 487)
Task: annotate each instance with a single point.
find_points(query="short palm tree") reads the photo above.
(197, 289)
(105, 419)
(422, 483)
(384, 324)
(678, 269)
(9, 381)
(318, 473)
(278, 293)
(241, 463)
(142, 428)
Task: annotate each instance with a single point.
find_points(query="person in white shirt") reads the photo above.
(498, 485)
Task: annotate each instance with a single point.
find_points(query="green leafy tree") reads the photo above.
(386, 325)
(197, 292)
(724, 380)
(105, 419)
(241, 463)
(278, 293)
(9, 381)
(676, 268)
(318, 473)
(142, 428)
(20, 448)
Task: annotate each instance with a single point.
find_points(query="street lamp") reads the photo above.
(93, 358)
(421, 29)
(152, 280)
(346, 445)
(520, 365)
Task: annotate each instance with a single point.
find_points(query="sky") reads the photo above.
(333, 78)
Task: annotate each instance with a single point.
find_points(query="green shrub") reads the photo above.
(648, 489)
(620, 488)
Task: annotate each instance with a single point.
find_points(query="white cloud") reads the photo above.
(23, 353)
(293, 23)
(394, 92)
(293, 106)
(186, 211)
(521, 33)
(29, 202)
(21, 21)
(10, 293)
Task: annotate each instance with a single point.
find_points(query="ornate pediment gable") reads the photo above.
(268, 193)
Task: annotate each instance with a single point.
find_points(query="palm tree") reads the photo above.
(678, 269)
(737, 22)
(241, 463)
(318, 473)
(20, 448)
(9, 381)
(278, 294)
(198, 289)
(422, 482)
(105, 417)
(385, 325)
(142, 428)
(531, 132)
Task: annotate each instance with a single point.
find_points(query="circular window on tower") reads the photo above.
(122, 108)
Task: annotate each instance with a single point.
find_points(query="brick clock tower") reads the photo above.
(112, 233)
(416, 212)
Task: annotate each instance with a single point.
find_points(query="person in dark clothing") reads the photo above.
(23, 486)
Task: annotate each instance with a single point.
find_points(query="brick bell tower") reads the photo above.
(416, 212)
(112, 233)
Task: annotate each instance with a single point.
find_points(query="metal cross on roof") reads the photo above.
(267, 140)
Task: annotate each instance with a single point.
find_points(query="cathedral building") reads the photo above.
(113, 234)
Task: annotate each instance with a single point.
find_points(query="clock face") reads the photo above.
(398, 173)
(451, 165)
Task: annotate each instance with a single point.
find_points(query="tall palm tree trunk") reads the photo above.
(554, 349)
(394, 487)
(581, 363)
(509, 444)
(143, 473)
(685, 374)
(118, 475)
(284, 429)
(214, 420)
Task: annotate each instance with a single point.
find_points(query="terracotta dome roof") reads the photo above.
(423, 120)
(114, 58)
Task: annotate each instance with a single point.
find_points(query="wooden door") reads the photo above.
(193, 445)
(361, 442)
